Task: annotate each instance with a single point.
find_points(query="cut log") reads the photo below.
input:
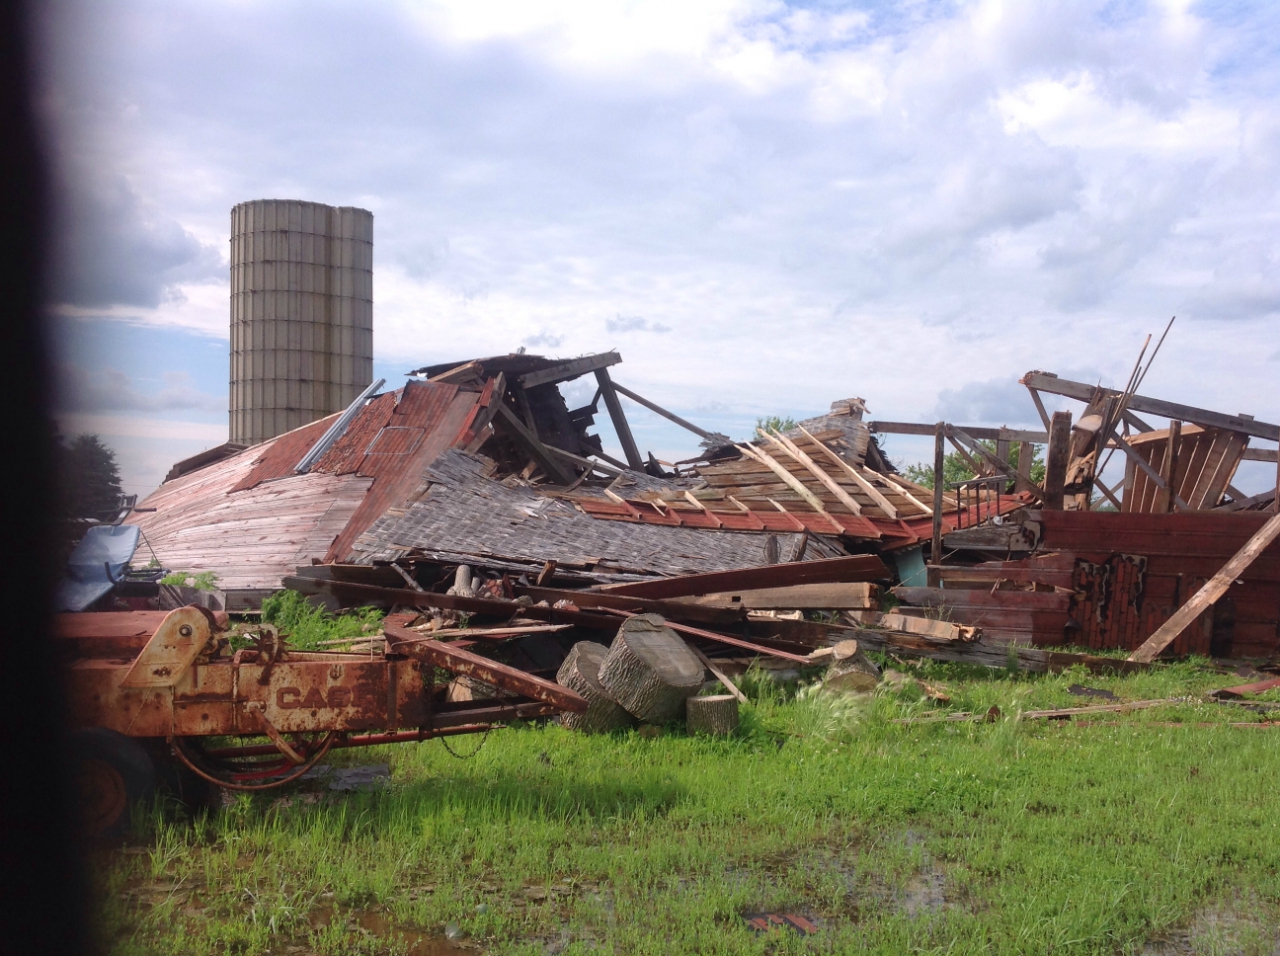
(581, 672)
(851, 671)
(650, 670)
(463, 688)
(716, 715)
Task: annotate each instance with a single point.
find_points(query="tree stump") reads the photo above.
(851, 671)
(580, 672)
(712, 715)
(650, 670)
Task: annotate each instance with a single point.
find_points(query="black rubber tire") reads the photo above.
(111, 773)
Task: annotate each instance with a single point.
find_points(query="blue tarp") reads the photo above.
(96, 564)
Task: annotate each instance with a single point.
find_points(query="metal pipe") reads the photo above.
(336, 430)
(362, 740)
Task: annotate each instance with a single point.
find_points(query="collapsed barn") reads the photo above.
(483, 465)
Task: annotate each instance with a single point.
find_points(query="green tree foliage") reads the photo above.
(88, 479)
(775, 423)
(955, 469)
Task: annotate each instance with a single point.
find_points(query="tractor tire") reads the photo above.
(110, 773)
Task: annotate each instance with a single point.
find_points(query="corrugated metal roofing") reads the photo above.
(428, 419)
(251, 520)
(250, 538)
(276, 458)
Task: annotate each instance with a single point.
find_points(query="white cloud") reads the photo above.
(815, 198)
(109, 389)
(136, 426)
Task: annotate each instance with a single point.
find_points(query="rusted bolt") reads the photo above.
(185, 630)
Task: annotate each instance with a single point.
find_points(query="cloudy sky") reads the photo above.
(764, 206)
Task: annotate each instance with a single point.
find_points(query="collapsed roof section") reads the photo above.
(485, 460)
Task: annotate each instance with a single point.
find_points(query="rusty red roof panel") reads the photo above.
(468, 433)
(279, 456)
(345, 456)
(429, 419)
(420, 412)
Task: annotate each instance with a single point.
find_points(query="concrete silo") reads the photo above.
(301, 313)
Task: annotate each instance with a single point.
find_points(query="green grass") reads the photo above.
(204, 581)
(306, 625)
(1091, 836)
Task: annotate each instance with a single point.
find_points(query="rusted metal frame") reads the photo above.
(276, 738)
(177, 747)
(458, 661)
(726, 639)
(399, 737)
(534, 446)
(619, 419)
(658, 409)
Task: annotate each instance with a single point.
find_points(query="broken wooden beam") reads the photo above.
(464, 663)
(861, 567)
(619, 419)
(670, 416)
(1056, 460)
(835, 597)
(1213, 589)
(570, 369)
(535, 447)
(1048, 382)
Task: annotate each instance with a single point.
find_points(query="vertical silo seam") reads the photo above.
(301, 314)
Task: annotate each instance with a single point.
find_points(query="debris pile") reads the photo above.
(476, 491)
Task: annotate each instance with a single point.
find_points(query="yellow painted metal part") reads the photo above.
(171, 650)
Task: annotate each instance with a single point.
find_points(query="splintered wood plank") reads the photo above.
(833, 596)
(1220, 465)
(885, 505)
(789, 479)
(790, 448)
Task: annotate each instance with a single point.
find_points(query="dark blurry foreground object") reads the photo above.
(41, 896)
